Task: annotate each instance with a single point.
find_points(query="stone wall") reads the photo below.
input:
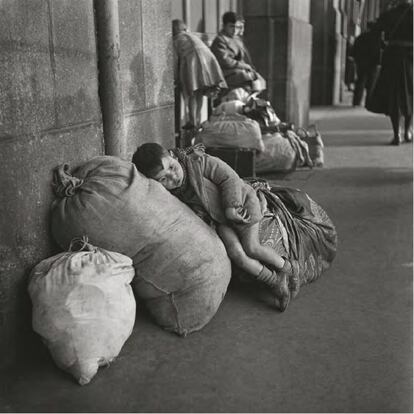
(50, 113)
(146, 65)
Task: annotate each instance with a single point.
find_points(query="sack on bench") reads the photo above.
(231, 130)
(279, 155)
(229, 107)
(181, 264)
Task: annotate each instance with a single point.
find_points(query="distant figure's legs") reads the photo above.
(195, 104)
(359, 87)
(396, 124)
(408, 131)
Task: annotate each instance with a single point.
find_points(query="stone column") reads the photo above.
(279, 38)
(323, 19)
(339, 53)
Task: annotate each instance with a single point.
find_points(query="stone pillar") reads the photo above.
(50, 113)
(323, 19)
(279, 38)
(339, 53)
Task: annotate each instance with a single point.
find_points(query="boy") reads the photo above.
(215, 192)
(233, 56)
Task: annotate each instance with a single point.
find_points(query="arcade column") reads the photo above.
(279, 38)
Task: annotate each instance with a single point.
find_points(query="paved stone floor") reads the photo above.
(343, 345)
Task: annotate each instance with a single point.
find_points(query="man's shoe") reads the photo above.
(396, 141)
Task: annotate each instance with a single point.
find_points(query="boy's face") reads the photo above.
(171, 176)
(230, 29)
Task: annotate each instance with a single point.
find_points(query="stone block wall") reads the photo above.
(146, 65)
(50, 113)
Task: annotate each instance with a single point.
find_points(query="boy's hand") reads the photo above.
(243, 65)
(238, 215)
(263, 202)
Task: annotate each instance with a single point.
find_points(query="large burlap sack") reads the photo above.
(231, 130)
(278, 155)
(182, 269)
(83, 308)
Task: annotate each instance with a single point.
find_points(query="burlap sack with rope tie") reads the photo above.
(83, 307)
(182, 269)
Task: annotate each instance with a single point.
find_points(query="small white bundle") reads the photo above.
(83, 308)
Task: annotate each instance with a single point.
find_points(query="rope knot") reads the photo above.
(79, 244)
(64, 184)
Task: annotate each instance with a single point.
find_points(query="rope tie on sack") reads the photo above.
(65, 184)
(84, 244)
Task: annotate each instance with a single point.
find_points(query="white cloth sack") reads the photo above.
(83, 308)
(279, 155)
(231, 130)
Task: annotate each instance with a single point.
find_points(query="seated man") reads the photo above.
(233, 57)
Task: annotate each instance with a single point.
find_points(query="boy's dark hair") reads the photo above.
(229, 17)
(148, 158)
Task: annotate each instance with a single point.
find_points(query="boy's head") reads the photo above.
(229, 23)
(178, 26)
(154, 161)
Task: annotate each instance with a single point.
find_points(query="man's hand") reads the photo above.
(238, 215)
